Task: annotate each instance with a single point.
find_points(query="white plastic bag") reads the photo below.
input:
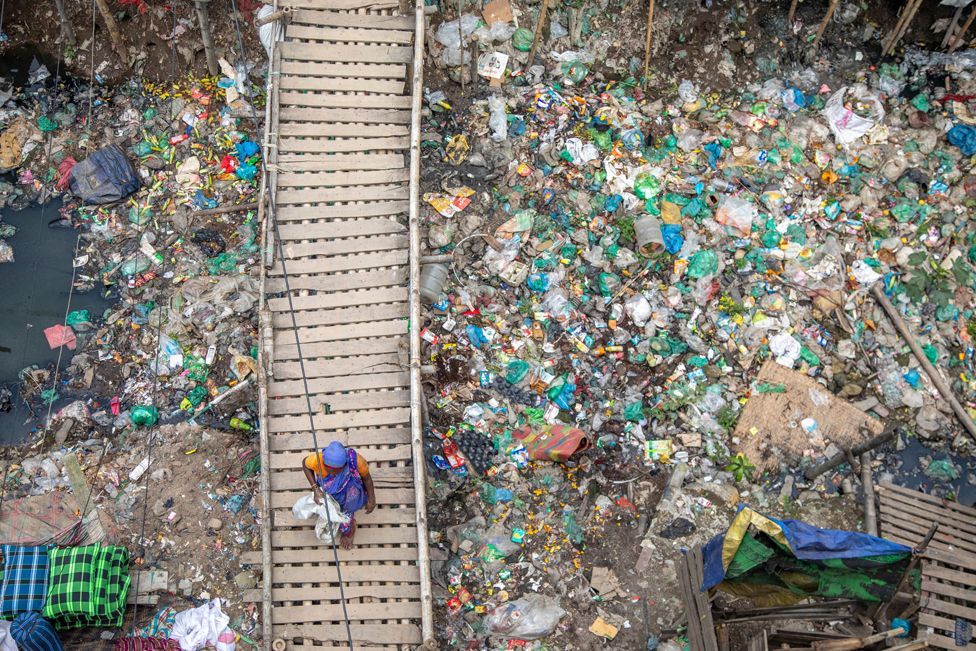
(532, 617)
(638, 309)
(269, 32)
(737, 213)
(197, 627)
(497, 121)
(327, 512)
(846, 125)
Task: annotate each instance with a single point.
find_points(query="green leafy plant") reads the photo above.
(740, 467)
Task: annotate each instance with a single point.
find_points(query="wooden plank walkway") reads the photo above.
(948, 566)
(342, 152)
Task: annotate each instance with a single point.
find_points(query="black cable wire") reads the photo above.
(155, 366)
(298, 344)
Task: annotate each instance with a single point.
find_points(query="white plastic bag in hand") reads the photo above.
(306, 507)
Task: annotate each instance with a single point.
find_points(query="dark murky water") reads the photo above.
(33, 296)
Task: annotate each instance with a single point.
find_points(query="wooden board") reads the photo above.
(363, 21)
(346, 53)
(329, 96)
(698, 608)
(393, 139)
(349, 34)
(368, 70)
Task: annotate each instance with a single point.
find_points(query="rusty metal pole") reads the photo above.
(208, 43)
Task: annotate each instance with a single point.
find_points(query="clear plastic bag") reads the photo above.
(329, 514)
(497, 120)
(532, 617)
(737, 213)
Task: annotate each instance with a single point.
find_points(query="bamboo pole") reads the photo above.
(930, 370)
(461, 42)
(208, 43)
(416, 388)
(69, 32)
(647, 41)
(543, 11)
(113, 31)
(959, 39)
(790, 16)
(908, 15)
(241, 207)
(867, 481)
(826, 19)
(952, 26)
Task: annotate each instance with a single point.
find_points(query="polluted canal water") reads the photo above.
(36, 288)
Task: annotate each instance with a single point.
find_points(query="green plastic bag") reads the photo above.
(222, 264)
(522, 39)
(78, 316)
(516, 371)
(634, 412)
(646, 186)
(702, 263)
(609, 283)
(44, 123)
(144, 415)
(574, 71)
(196, 368)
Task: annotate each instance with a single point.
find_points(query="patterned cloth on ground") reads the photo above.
(88, 586)
(32, 632)
(25, 572)
(145, 644)
(160, 625)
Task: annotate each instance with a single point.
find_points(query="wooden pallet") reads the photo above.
(342, 148)
(949, 564)
(698, 607)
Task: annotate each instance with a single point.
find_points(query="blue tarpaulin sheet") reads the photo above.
(104, 177)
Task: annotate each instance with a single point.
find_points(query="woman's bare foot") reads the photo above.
(345, 541)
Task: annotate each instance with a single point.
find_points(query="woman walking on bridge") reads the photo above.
(343, 474)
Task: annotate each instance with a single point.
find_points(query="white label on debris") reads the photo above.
(492, 65)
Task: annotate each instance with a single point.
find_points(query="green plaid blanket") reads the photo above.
(88, 586)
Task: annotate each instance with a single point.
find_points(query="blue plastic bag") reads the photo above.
(964, 137)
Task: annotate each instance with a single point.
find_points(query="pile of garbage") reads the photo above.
(154, 407)
(635, 283)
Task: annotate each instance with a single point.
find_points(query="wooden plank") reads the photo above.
(294, 460)
(391, 416)
(358, 438)
(371, 633)
(329, 349)
(920, 526)
(397, 141)
(956, 610)
(355, 348)
(323, 69)
(936, 513)
(392, 476)
(341, 5)
(340, 402)
(968, 512)
(410, 592)
(354, 555)
(346, 53)
(360, 612)
(338, 100)
(363, 21)
(339, 211)
(946, 590)
(339, 162)
(323, 195)
(338, 299)
(305, 538)
(944, 573)
(340, 332)
(349, 34)
(294, 251)
(341, 315)
(341, 178)
(340, 229)
(283, 388)
(925, 618)
(337, 263)
(331, 85)
(281, 499)
(943, 642)
(288, 131)
(383, 516)
(334, 115)
(344, 366)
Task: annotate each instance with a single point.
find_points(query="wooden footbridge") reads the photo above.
(341, 267)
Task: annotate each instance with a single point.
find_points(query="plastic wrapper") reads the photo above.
(497, 120)
(532, 617)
